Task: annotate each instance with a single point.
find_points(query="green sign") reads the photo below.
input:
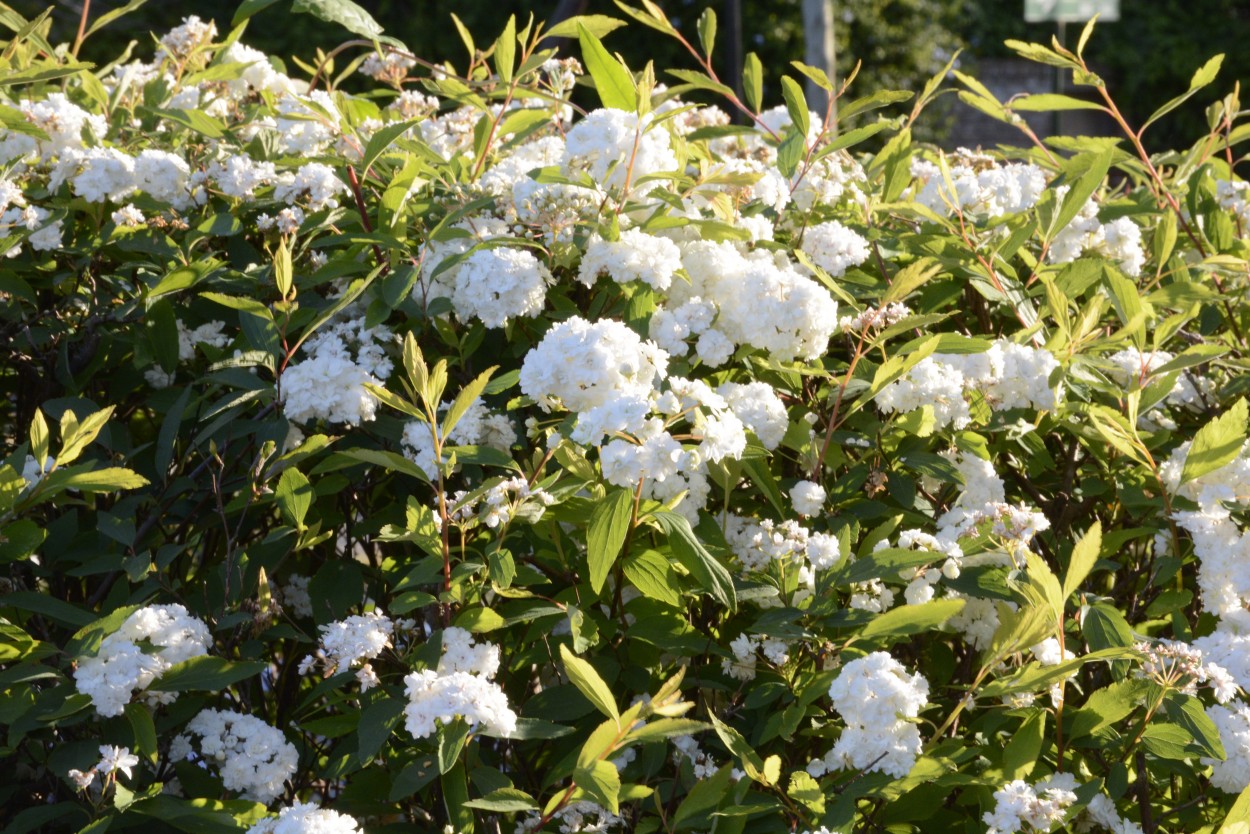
(1070, 11)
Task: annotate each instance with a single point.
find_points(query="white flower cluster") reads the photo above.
(460, 688)
(758, 544)
(306, 818)
(745, 648)
(947, 562)
(478, 426)
(329, 383)
(874, 318)
(834, 248)
(345, 643)
(1233, 197)
(807, 497)
(1006, 376)
(500, 503)
(249, 755)
(580, 365)
(636, 256)
(1222, 548)
(499, 283)
(1119, 239)
(1174, 663)
(112, 760)
(579, 817)
(1137, 369)
(977, 184)
(617, 148)
(758, 298)
(876, 698)
(315, 184)
(121, 667)
(1021, 807)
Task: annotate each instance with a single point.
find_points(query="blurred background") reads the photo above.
(1147, 55)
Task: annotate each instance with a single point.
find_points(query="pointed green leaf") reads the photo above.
(1217, 443)
(612, 81)
(609, 525)
(587, 680)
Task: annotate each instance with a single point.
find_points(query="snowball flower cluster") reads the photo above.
(636, 256)
(460, 688)
(306, 818)
(249, 755)
(807, 497)
(121, 667)
(1119, 239)
(580, 365)
(345, 643)
(498, 284)
(760, 298)
(833, 247)
(1021, 807)
(617, 148)
(1007, 376)
(875, 696)
(329, 383)
(981, 185)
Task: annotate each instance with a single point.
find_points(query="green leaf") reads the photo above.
(1202, 78)
(651, 574)
(753, 81)
(141, 724)
(451, 740)
(44, 71)
(1021, 752)
(248, 8)
(598, 24)
(294, 496)
(1217, 443)
(911, 619)
(609, 526)
(587, 680)
(505, 51)
(376, 724)
(467, 396)
(816, 74)
(456, 797)
(751, 762)
(1080, 192)
(343, 12)
(1105, 707)
(910, 278)
(196, 120)
(1186, 712)
(1238, 819)
(807, 792)
(504, 801)
(662, 728)
(101, 480)
(1045, 102)
(796, 105)
(702, 799)
(602, 782)
(790, 152)
(206, 674)
(707, 31)
(612, 81)
(1084, 555)
(694, 557)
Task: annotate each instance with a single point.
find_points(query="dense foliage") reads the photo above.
(450, 458)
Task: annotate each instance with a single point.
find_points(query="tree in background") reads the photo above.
(1148, 53)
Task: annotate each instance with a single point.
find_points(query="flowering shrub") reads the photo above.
(445, 457)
